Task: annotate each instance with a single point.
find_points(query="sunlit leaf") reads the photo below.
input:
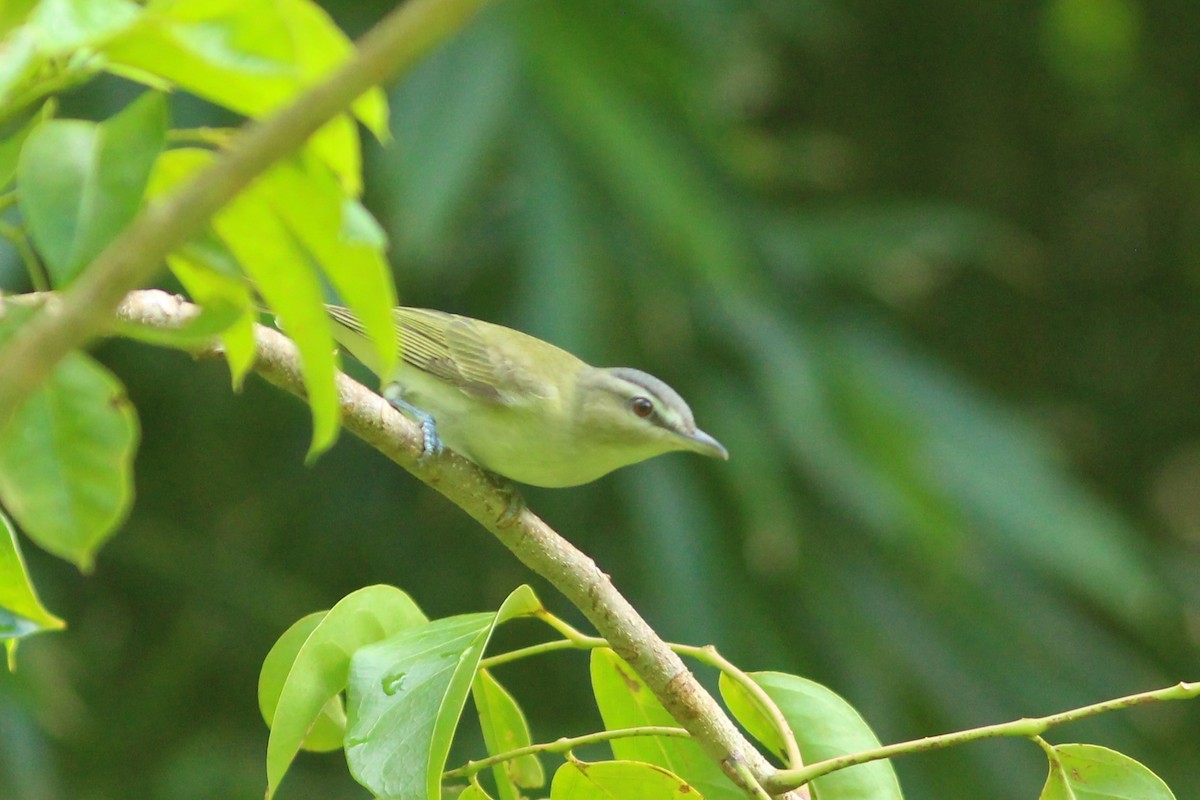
(211, 288)
(328, 729)
(21, 612)
(321, 46)
(1090, 772)
(505, 729)
(19, 61)
(66, 460)
(406, 694)
(826, 726)
(81, 183)
(312, 206)
(473, 792)
(253, 57)
(618, 780)
(625, 701)
(283, 275)
(212, 321)
(321, 664)
(746, 709)
(63, 26)
(10, 151)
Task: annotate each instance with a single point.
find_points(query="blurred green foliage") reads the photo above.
(928, 269)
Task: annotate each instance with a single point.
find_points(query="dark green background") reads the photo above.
(928, 268)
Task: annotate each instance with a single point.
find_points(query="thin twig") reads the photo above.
(1029, 727)
(561, 746)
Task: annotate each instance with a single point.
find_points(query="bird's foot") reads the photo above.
(432, 444)
(514, 503)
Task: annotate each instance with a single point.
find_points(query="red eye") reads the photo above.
(641, 406)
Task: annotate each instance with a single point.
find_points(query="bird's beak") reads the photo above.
(700, 442)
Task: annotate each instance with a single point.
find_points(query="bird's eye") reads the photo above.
(641, 406)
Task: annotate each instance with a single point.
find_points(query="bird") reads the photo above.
(519, 406)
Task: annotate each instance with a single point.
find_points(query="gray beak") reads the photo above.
(705, 445)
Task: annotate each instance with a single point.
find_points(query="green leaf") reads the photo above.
(283, 275)
(329, 727)
(81, 183)
(21, 612)
(19, 62)
(625, 701)
(827, 726)
(62, 27)
(313, 207)
(237, 55)
(321, 46)
(407, 693)
(211, 288)
(618, 780)
(13, 13)
(474, 792)
(746, 710)
(212, 321)
(319, 670)
(505, 729)
(66, 456)
(253, 58)
(10, 151)
(1089, 772)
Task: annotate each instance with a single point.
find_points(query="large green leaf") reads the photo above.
(317, 669)
(406, 694)
(315, 210)
(66, 457)
(283, 275)
(327, 730)
(19, 62)
(253, 57)
(64, 26)
(81, 183)
(1090, 772)
(21, 612)
(212, 289)
(625, 701)
(825, 726)
(618, 780)
(505, 729)
(10, 151)
(205, 267)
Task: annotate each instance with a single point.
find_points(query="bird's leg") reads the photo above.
(514, 502)
(433, 443)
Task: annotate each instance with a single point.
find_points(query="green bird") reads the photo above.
(521, 407)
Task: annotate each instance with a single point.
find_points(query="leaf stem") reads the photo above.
(709, 655)
(562, 745)
(20, 242)
(1028, 727)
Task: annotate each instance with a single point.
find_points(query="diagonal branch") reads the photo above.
(536, 544)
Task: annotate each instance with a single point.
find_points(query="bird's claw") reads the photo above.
(431, 444)
(514, 503)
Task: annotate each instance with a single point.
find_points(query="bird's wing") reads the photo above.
(457, 351)
(453, 349)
